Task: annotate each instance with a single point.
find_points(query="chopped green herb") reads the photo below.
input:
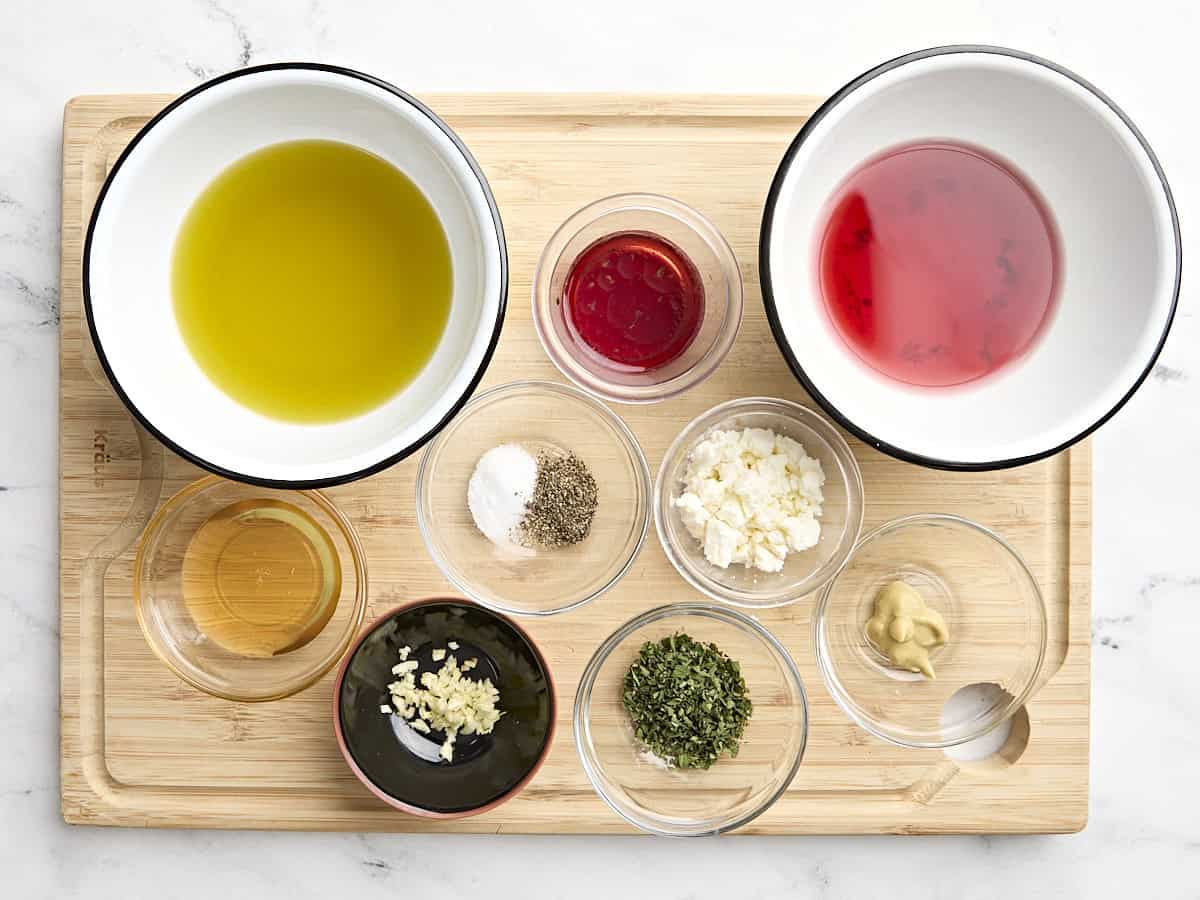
(687, 701)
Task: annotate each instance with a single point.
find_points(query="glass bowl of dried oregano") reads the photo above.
(691, 719)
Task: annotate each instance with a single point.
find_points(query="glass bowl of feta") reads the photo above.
(637, 705)
(758, 502)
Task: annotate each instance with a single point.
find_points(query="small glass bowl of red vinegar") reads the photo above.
(637, 298)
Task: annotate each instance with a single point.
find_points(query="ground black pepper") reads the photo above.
(564, 501)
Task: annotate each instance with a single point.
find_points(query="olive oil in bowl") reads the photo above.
(312, 281)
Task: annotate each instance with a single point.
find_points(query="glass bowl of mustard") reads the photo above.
(929, 610)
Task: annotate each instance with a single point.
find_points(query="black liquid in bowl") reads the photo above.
(401, 765)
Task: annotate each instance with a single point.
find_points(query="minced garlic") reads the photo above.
(445, 701)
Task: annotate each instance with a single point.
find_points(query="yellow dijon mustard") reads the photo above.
(905, 629)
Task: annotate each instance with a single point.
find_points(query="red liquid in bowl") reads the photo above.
(635, 299)
(938, 264)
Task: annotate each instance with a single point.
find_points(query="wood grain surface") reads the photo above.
(141, 748)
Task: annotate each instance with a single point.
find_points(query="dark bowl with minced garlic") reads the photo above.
(404, 766)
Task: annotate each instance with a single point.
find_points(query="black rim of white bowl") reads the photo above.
(332, 480)
(764, 259)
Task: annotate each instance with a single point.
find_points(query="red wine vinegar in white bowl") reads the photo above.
(969, 257)
(938, 263)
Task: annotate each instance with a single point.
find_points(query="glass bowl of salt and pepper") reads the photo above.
(535, 499)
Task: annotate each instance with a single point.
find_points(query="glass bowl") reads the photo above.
(803, 572)
(541, 417)
(994, 614)
(216, 605)
(693, 802)
(688, 231)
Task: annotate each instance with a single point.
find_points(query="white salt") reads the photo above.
(499, 491)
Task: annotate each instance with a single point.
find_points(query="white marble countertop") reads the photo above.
(1144, 833)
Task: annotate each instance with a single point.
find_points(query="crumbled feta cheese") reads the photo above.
(751, 497)
(728, 472)
(453, 645)
(711, 491)
(439, 655)
(385, 709)
(693, 513)
(766, 560)
(706, 456)
(720, 542)
(802, 532)
(758, 442)
(731, 512)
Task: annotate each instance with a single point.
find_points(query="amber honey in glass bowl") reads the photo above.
(249, 593)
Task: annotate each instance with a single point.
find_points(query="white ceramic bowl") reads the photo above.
(126, 270)
(1119, 254)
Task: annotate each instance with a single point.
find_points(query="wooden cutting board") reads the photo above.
(139, 747)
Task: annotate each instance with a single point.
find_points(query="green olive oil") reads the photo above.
(312, 281)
